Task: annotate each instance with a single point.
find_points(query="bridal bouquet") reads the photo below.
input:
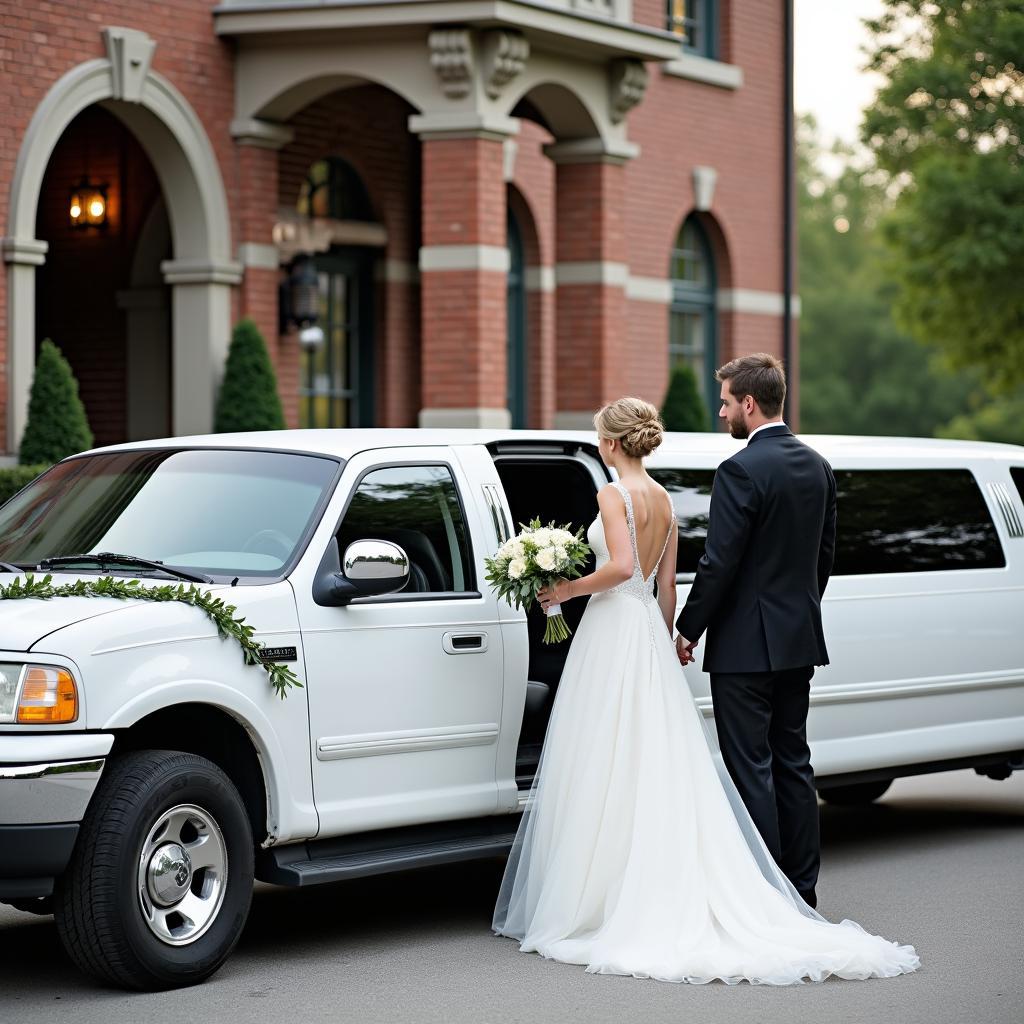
(536, 558)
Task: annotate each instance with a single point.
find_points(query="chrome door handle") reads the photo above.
(464, 643)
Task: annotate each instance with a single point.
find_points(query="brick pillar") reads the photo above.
(258, 144)
(463, 268)
(591, 272)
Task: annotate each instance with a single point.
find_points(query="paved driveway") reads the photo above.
(938, 862)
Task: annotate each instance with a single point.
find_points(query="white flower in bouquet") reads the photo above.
(537, 557)
(546, 559)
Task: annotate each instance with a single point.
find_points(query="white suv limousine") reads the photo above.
(148, 773)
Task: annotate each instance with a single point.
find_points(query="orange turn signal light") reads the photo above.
(48, 696)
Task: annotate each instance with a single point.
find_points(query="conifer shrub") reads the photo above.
(57, 425)
(684, 409)
(248, 398)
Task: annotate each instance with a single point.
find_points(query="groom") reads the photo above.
(771, 538)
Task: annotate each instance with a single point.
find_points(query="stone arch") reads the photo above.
(201, 271)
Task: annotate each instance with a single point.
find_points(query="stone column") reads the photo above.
(22, 256)
(463, 267)
(591, 273)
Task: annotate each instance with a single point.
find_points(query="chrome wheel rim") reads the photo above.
(182, 874)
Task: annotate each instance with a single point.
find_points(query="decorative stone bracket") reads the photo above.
(455, 53)
(628, 80)
(130, 53)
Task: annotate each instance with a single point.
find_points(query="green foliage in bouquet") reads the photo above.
(537, 557)
(57, 426)
(248, 398)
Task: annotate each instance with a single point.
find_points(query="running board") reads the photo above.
(376, 853)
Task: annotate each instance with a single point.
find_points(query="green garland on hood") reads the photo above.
(222, 615)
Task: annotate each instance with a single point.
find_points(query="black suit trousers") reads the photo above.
(762, 731)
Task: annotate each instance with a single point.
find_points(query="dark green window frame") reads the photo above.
(694, 286)
(696, 24)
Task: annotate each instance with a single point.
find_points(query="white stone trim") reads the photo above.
(747, 300)
(591, 151)
(468, 124)
(701, 69)
(540, 279)
(704, 179)
(397, 272)
(574, 421)
(29, 252)
(649, 289)
(598, 272)
(488, 419)
(464, 257)
(259, 255)
(201, 272)
(254, 131)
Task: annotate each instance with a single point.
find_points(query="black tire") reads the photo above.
(97, 904)
(854, 793)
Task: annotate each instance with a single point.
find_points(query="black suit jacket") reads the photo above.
(771, 540)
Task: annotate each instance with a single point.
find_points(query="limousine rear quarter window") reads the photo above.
(1017, 472)
(912, 520)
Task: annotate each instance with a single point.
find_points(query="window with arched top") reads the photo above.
(332, 188)
(692, 319)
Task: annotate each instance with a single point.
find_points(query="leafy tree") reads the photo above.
(948, 127)
(859, 373)
(57, 425)
(999, 420)
(684, 409)
(248, 398)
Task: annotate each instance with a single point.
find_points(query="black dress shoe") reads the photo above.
(809, 897)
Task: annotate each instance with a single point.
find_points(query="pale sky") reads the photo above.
(828, 80)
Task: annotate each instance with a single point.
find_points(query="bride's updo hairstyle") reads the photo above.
(634, 423)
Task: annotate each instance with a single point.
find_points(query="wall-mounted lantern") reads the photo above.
(299, 301)
(87, 205)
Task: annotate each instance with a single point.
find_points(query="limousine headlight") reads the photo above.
(37, 694)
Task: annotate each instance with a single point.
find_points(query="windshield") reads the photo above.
(235, 513)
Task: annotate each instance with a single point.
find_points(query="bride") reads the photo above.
(635, 854)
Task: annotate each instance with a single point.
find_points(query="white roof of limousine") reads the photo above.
(344, 443)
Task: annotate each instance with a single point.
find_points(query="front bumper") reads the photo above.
(46, 783)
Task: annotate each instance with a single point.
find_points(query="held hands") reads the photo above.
(558, 593)
(684, 648)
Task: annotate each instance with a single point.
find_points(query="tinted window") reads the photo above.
(416, 507)
(916, 520)
(1017, 472)
(226, 512)
(691, 495)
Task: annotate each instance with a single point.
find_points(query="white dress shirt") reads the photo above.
(765, 426)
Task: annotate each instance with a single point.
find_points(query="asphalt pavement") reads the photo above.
(937, 862)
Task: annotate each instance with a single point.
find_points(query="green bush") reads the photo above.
(57, 426)
(13, 478)
(684, 409)
(248, 397)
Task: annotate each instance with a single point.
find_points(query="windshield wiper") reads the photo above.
(105, 558)
(11, 567)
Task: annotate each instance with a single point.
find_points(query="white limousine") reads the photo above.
(148, 771)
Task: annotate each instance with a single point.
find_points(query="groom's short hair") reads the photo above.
(761, 376)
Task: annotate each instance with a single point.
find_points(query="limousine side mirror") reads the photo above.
(370, 568)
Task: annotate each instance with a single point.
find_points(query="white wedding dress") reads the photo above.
(635, 854)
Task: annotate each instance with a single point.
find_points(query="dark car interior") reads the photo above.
(563, 491)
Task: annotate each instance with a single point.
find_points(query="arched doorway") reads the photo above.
(100, 295)
(201, 272)
(337, 377)
(693, 322)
